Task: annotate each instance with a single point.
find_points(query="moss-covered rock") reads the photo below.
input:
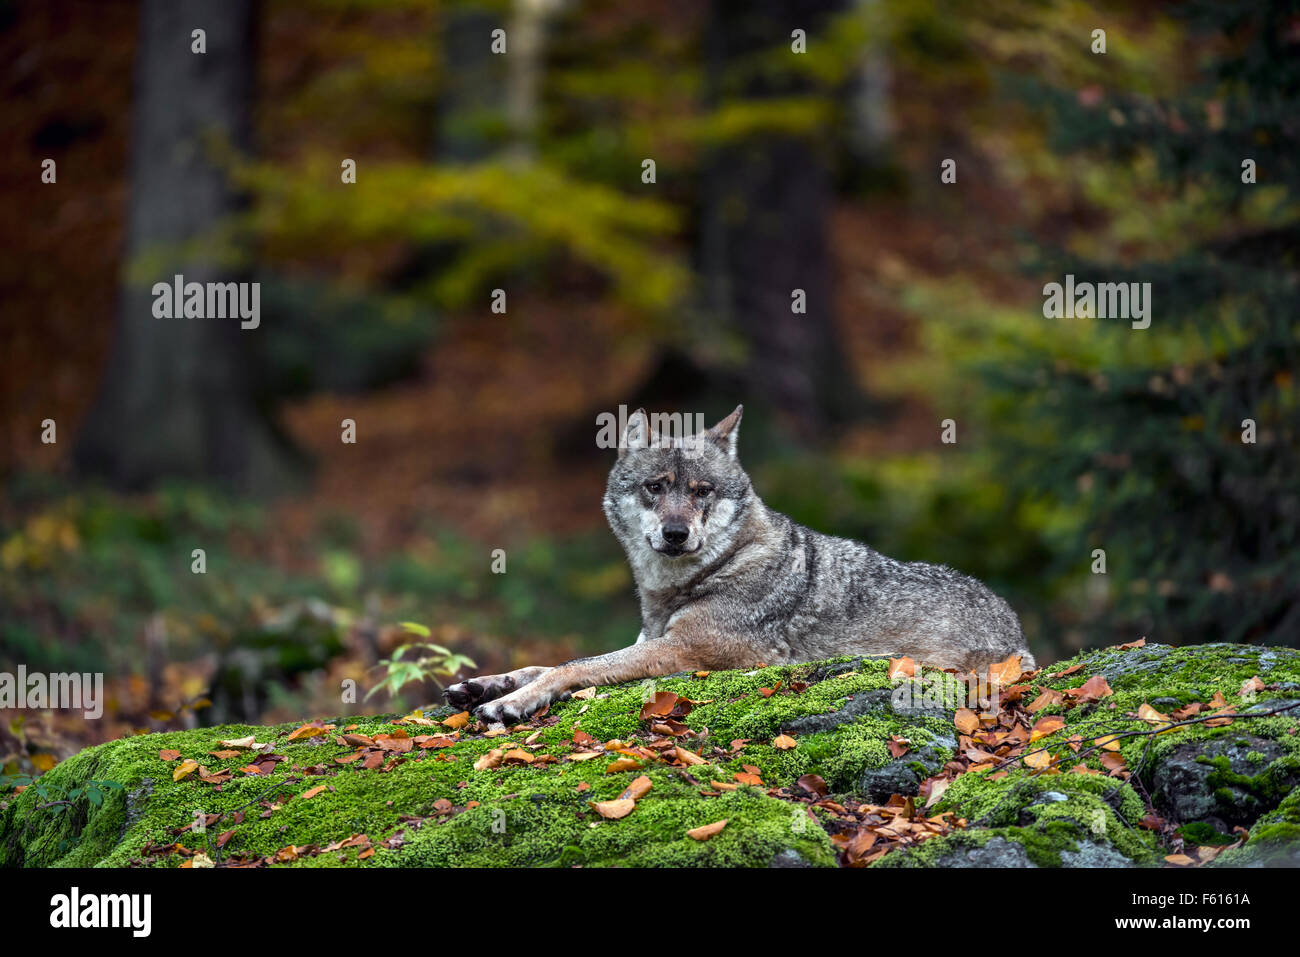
(430, 806)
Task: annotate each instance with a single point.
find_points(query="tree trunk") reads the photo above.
(766, 221)
(176, 401)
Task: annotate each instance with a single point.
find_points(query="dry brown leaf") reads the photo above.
(706, 831)
(966, 720)
(1047, 724)
(1005, 673)
(456, 721)
(638, 789)
(688, 757)
(613, 810)
(901, 668)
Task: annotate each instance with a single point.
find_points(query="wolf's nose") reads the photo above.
(676, 533)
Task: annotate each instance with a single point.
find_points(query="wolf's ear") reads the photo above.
(726, 432)
(637, 433)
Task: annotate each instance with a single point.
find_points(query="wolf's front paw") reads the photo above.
(468, 695)
(513, 708)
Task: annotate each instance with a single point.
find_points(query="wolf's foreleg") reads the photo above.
(475, 691)
(647, 659)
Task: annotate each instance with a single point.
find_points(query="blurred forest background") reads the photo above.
(774, 170)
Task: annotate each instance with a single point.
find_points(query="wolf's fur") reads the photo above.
(725, 582)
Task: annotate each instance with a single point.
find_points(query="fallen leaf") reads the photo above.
(660, 707)
(310, 731)
(613, 810)
(1038, 760)
(1005, 673)
(813, 784)
(706, 831)
(1046, 725)
(1094, 689)
(784, 742)
(638, 789)
(901, 668)
(1047, 699)
(688, 757)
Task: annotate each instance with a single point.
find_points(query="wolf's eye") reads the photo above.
(654, 488)
(703, 492)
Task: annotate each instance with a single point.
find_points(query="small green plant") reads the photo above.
(434, 660)
(54, 800)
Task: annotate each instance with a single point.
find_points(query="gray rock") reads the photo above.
(996, 852)
(789, 858)
(879, 702)
(1094, 855)
(1187, 785)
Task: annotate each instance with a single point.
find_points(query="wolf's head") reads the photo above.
(676, 500)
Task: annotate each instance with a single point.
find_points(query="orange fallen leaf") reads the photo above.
(706, 831)
(456, 721)
(966, 720)
(638, 789)
(1113, 761)
(660, 707)
(312, 792)
(784, 742)
(688, 757)
(1045, 700)
(1005, 673)
(310, 731)
(1094, 689)
(1046, 725)
(186, 768)
(613, 810)
(1152, 716)
(1038, 760)
(901, 668)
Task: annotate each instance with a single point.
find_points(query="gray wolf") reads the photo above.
(726, 582)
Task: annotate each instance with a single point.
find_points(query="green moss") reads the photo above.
(1199, 832)
(535, 815)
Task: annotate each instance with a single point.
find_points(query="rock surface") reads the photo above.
(415, 791)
